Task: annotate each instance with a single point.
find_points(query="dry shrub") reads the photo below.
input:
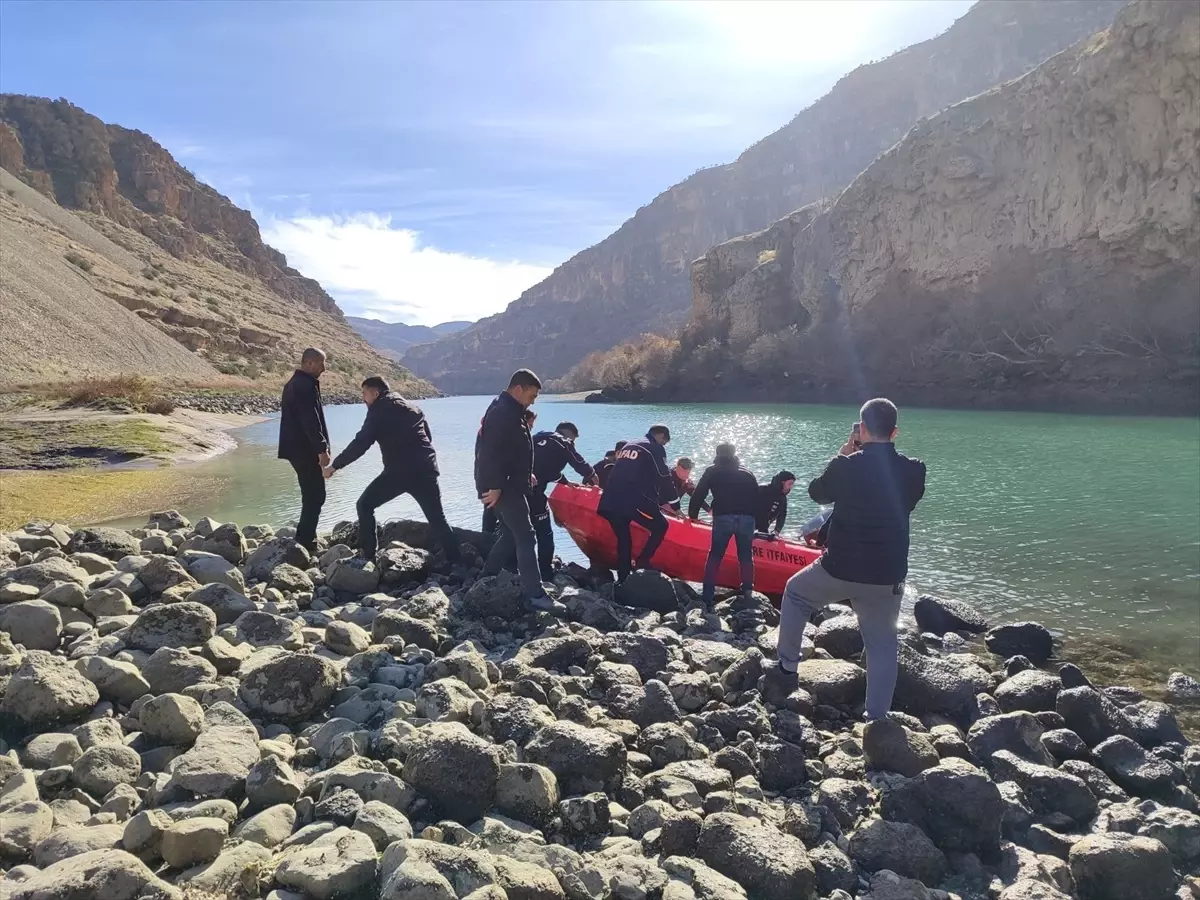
(136, 391)
(162, 406)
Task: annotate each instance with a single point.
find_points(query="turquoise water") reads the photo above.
(1088, 524)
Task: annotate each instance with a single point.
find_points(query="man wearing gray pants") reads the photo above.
(874, 490)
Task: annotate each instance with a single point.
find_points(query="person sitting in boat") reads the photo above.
(772, 504)
(604, 467)
(632, 494)
(735, 505)
(874, 490)
(553, 451)
(681, 483)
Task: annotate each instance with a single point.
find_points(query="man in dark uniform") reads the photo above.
(504, 476)
(491, 519)
(772, 503)
(605, 466)
(304, 441)
(553, 451)
(409, 465)
(639, 476)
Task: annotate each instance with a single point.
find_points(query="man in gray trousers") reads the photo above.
(874, 489)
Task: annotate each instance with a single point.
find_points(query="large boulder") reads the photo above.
(163, 572)
(1028, 639)
(209, 568)
(342, 863)
(111, 543)
(226, 541)
(34, 623)
(832, 681)
(938, 615)
(271, 553)
(96, 875)
(1130, 766)
(1018, 732)
(1049, 790)
(353, 576)
(1121, 867)
(392, 622)
(172, 671)
(46, 689)
(956, 804)
(171, 719)
(766, 862)
(1091, 715)
(225, 602)
(172, 625)
(287, 687)
(648, 589)
(1032, 690)
(219, 761)
(929, 684)
(898, 847)
(495, 595)
(103, 767)
(455, 769)
(583, 759)
(45, 573)
(263, 629)
(890, 747)
(118, 681)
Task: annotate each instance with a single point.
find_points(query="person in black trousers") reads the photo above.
(491, 518)
(504, 477)
(409, 465)
(632, 494)
(304, 441)
(553, 451)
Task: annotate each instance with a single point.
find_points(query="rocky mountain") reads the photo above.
(636, 280)
(1036, 245)
(393, 338)
(116, 236)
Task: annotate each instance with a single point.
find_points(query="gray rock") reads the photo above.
(290, 579)
(1153, 724)
(168, 520)
(27, 822)
(527, 792)
(767, 863)
(495, 595)
(1134, 769)
(102, 768)
(1177, 829)
(346, 638)
(354, 576)
(270, 782)
(1091, 715)
(172, 671)
(108, 602)
(67, 594)
(782, 764)
(938, 615)
(382, 824)
(954, 803)
(163, 572)
(648, 589)
(1183, 688)
(1098, 783)
(95, 875)
(172, 625)
(34, 623)
(271, 553)
(192, 841)
(209, 568)
(230, 873)
(582, 759)
(898, 847)
(67, 842)
(287, 687)
(268, 828)
(840, 637)
(111, 543)
(340, 864)
(1049, 790)
(928, 684)
(1018, 733)
(1121, 867)
(218, 762)
(832, 681)
(1021, 638)
(455, 769)
(1064, 744)
(45, 751)
(171, 719)
(890, 747)
(262, 629)
(46, 689)
(225, 602)
(413, 631)
(586, 816)
(1032, 690)
(143, 832)
(43, 574)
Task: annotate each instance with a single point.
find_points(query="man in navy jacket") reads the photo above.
(553, 451)
(304, 441)
(639, 474)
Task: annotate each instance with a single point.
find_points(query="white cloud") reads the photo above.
(375, 269)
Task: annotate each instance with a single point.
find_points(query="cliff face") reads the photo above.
(1039, 243)
(101, 226)
(636, 280)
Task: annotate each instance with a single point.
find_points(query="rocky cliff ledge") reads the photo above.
(1039, 243)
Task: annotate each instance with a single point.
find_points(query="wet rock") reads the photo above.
(764, 861)
(1121, 867)
(46, 689)
(107, 874)
(898, 847)
(1091, 715)
(172, 625)
(582, 759)
(1153, 724)
(455, 769)
(1134, 769)
(938, 615)
(1049, 790)
(1032, 690)
(890, 747)
(1021, 638)
(34, 623)
(287, 687)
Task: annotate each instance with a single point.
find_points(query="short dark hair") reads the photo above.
(377, 382)
(656, 430)
(311, 353)
(524, 378)
(621, 444)
(784, 475)
(563, 427)
(684, 463)
(879, 416)
(726, 451)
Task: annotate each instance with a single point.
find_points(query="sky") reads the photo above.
(430, 161)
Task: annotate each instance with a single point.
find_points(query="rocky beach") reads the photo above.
(197, 711)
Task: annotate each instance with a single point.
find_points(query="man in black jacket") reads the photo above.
(304, 441)
(605, 466)
(638, 478)
(874, 490)
(772, 503)
(504, 476)
(409, 465)
(735, 503)
(553, 451)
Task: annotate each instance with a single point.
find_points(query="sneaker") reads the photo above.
(543, 603)
(776, 683)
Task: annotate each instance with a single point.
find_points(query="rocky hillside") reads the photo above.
(636, 280)
(103, 226)
(1038, 243)
(394, 338)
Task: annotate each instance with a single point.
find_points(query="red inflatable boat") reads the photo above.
(683, 551)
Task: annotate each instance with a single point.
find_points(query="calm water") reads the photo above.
(1088, 524)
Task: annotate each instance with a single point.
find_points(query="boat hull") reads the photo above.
(684, 551)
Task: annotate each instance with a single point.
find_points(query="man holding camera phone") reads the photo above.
(874, 489)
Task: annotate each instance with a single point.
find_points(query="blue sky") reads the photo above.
(428, 161)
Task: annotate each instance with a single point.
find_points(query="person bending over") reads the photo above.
(553, 451)
(409, 465)
(772, 503)
(735, 502)
(637, 479)
(605, 466)
(874, 490)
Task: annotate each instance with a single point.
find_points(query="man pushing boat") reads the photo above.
(632, 493)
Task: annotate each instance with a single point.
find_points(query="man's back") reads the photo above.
(552, 453)
(873, 492)
(404, 437)
(734, 490)
(638, 471)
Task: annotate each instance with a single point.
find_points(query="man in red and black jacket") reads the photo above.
(304, 441)
(504, 476)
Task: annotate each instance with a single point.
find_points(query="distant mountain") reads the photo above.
(635, 281)
(118, 260)
(393, 338)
